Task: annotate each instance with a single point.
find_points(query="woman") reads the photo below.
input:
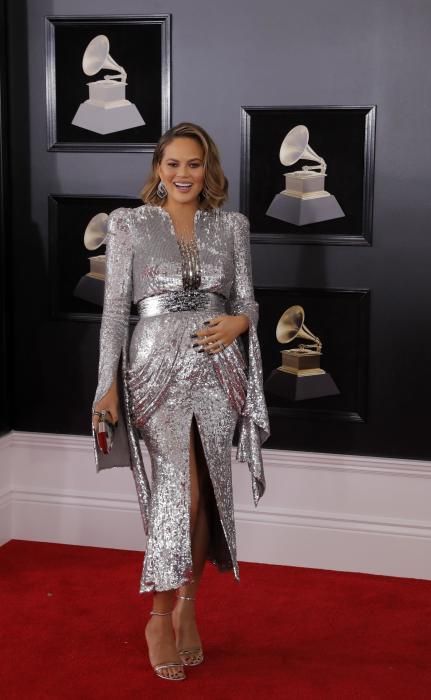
(185, 380)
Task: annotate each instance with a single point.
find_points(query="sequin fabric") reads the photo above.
(164, 382)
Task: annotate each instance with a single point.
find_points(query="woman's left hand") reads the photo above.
(220, 331)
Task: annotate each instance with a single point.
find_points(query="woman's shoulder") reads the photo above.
(126, 218)
(121, 224)
(235, 217)
(117, 219)
(134, 211)
(121, 214)
(147, 211)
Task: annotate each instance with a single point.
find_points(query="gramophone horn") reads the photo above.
(97, 56)
(96, 231)
(291, 325)
(295, 147)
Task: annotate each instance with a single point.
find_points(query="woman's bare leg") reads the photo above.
(160, 635)
(184, 620)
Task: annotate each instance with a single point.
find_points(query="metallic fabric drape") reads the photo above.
(163, 381)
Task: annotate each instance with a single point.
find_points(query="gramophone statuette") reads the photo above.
(107, 110)
(91, 286)
(304, 359)
(304, 199)
(299, 376)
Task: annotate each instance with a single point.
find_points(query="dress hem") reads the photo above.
(153, 588)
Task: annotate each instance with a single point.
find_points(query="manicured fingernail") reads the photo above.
(201, 350)
(195, 345)
(206, 323)
(194, 335)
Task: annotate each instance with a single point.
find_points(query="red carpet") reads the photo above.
(72, 627)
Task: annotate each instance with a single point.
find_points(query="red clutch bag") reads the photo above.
(105, 436)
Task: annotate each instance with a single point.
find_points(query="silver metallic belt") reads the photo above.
(181, 300)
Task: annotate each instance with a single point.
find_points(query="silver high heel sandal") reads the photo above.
(172, 664)
(196, 654)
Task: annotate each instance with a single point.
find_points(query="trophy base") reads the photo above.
(299, 211)
(306, 183)
(301, 372)
(295, 361)
(107, 119)
(292, 387)
(90, 289)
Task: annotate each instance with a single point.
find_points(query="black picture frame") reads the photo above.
(68, 258)
(344, 136)
(340, 318)
(5, 228)
(142, 44)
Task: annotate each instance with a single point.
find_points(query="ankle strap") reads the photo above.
(185, 597)
(156, 612)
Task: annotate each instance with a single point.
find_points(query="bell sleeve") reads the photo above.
(253, 428)
(117, 299)
(113, 356)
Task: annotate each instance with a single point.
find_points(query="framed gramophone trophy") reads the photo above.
(300, 376)
(307, 173)
(124, 105)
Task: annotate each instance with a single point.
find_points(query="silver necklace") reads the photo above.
(189, 262)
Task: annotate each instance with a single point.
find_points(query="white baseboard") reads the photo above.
(325, 511)
(5, 516)
(5, 489)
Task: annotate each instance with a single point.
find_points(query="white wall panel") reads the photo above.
(338, 512)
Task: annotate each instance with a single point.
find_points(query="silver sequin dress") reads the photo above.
(164, 381)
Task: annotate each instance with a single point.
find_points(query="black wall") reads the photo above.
(226, 55)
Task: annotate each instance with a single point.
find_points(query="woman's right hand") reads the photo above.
(108, 403)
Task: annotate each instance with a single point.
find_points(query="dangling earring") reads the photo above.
(161, 190)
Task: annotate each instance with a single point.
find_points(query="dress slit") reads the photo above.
(218, 549)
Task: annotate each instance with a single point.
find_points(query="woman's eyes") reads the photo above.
(191, 165)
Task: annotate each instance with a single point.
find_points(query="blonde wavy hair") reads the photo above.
(215, 190)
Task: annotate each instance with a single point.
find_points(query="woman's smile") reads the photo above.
(183, 186)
